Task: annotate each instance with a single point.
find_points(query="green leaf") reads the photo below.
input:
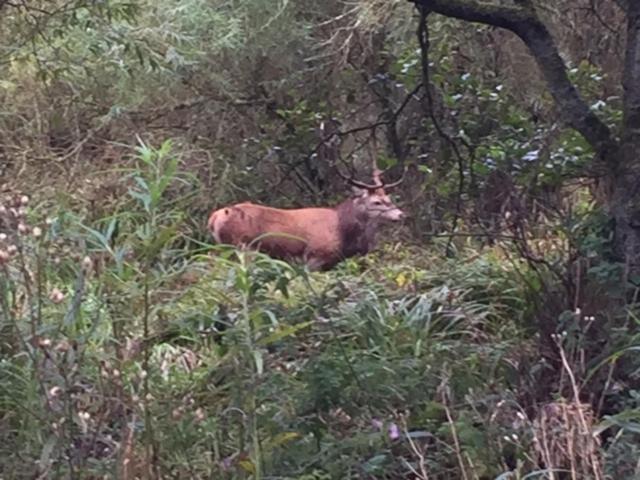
(47, 450)
(283, 333)
(282, 438)
(375, 464)
(259, 361)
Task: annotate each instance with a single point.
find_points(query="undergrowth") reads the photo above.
(132, 350)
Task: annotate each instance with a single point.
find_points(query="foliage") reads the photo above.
(490, 337)
(124, 355)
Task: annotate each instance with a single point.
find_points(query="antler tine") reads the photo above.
(377, 176)
(397, 182)
(356, 183)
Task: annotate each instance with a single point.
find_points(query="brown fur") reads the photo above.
(321, 237)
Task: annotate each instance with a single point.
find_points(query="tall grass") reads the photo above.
(131, 350)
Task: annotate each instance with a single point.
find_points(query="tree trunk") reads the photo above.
(625, 201)
(624, 207)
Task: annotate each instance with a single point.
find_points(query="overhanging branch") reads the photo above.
(524, 22)
(479, 12)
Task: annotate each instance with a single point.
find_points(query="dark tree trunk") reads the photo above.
(618, 159)
(625, 201)
(624, 206)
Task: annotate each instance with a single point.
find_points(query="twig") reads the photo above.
(351, 131)
(423, 39)
(454, 434)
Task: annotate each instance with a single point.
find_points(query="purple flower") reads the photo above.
(394, 431)
(227, 463)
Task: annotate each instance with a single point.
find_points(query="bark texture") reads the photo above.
(625, 202)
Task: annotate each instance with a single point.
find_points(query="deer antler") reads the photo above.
(359, 184)
(397, 182)
(377, 178)
(376, 173)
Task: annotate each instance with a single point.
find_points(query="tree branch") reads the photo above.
(424, 41)
(631, 74)
(524, 22)
(475, 11)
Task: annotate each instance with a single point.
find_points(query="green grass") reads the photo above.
(130, 350)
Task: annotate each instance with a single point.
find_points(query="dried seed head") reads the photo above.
(44, 342)
(12, 250)
(36, 232)
(87, 263)
(62, 346)
(3, 237)
(199, 414)
(22, 228)
(56, 296)
(24, 200)
(55, 391)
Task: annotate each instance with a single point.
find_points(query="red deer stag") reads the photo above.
(321, 237)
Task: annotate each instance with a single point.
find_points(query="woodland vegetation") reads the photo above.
(493, 335)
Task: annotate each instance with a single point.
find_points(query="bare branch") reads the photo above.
(344, 133)
(524, 22)
(6, 2)
(424, 41)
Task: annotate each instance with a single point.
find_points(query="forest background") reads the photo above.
(494, 334)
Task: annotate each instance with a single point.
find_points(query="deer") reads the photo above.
(321, 237)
